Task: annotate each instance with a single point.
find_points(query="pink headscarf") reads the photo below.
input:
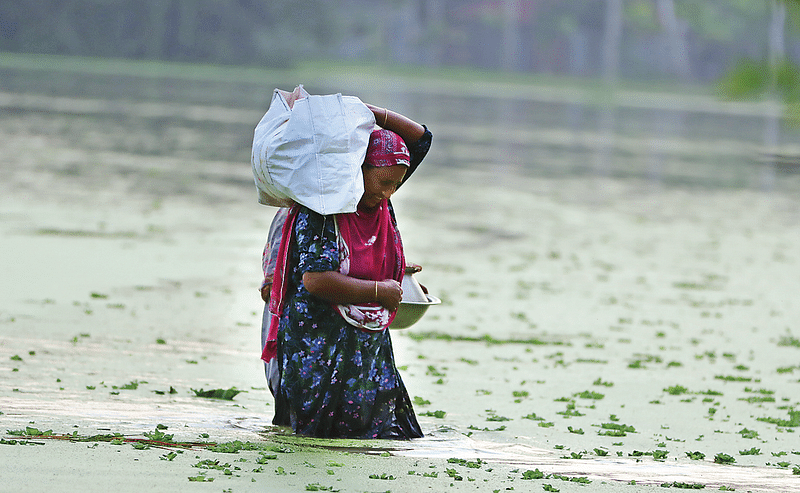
(386, 148)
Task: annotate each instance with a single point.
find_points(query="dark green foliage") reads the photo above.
(535, 474)
(722, 458)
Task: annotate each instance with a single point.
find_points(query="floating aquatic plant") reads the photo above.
(732, 378)
(434, 414)
(722, 458)
(748, 433)
(789, 341)
(683, 486)
(750, 451)
(793, 421)
(615, 429)
(588, 394)
(201, 478)
(225, 394)
(419, 401)
(676, 390)
(535, 474)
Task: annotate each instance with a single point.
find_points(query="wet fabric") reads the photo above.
(336, 380)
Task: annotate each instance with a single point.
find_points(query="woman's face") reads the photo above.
(380, 183)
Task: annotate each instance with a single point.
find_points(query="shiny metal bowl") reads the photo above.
(410, 312)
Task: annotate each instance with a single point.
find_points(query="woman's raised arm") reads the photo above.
(403, 126)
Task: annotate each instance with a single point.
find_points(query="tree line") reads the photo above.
(693, 40)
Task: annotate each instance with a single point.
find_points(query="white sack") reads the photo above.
(311, 152)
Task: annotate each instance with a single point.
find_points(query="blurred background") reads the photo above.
(686, 92)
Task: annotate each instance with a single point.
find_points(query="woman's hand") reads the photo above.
(266, 288)
(389, 294)
(265, 292)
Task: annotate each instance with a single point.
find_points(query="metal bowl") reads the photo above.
(410, 312)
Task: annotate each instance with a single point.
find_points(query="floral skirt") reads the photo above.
(339, 381)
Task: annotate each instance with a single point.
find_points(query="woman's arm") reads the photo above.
(403, 126)
(338, 288)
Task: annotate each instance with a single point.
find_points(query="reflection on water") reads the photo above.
(545, 131)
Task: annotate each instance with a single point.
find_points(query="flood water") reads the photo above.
(661, 140)
(666, 138)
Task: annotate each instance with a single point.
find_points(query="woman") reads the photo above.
(336, 290)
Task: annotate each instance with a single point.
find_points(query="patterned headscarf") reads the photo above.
(386, 148)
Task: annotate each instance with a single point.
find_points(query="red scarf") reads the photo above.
(370, 248)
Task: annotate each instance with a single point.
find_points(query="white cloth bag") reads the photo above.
(311, 151)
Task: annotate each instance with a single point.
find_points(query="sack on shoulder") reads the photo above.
(309, 149)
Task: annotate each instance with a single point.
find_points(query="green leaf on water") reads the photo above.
(748, 433)
(419, 401)
(588, 394)
(226, 394)
(200, 479)
(722, 458)
(683, 486)
(660, 454)
(264, 458)
(435, 414)
(319, 487)
(676, 390)
(382, 476)
(29, 431)
(535, 474)
(237, 445)
(615, 429)
(793, 421)
(211, 464)
(158, 436)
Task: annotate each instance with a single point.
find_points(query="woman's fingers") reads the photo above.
(390, 294)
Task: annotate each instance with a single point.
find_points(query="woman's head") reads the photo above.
(384, 167)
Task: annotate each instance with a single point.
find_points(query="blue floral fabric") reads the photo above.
(336, 380)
